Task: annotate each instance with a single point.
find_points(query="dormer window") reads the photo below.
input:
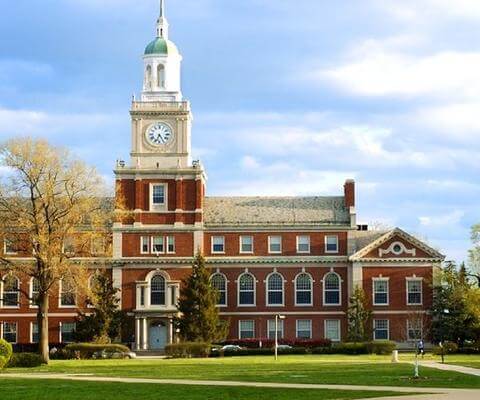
(158, 198)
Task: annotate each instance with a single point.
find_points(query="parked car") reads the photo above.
(114, 355)
(284, 347)
(228, 347)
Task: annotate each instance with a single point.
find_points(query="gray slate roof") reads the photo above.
(363, 238)
(251, 211)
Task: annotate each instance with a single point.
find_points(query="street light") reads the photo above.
(444, 312)
(277, 317)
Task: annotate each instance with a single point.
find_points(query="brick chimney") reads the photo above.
(349, 190)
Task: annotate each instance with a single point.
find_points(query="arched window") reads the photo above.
(275, 289)
(157, 291)
(148, 77)
(161, 76)
(219, 282)
(34, 291)
(246, 289)
(303, 289)
(331, 289)
(11, 291)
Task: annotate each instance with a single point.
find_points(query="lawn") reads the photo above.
(327, 369)
(472, 361)
(27, 389)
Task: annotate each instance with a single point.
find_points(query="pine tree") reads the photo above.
(200, 320)
(359, 316)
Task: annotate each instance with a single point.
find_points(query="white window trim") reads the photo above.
(408, 329)
(326, 244)
(388, 291)
(339, 325)
(19, 297)
(60, 324)
(311, 290)
(309, 244)
(226, 288)
(2, 331)
(283, 290)
(388, 328)
(152, 248)
(167, 244)
(296, 328)
(218, 252)
(281, 244)
(281, 328)
(340, 281)
(254, 290)
(30, 294)
(60, 284)
(239, 327)
(411, 279)
(8, 253)
(159, 207)
(240, 241)
(31, 332)
(149, 244)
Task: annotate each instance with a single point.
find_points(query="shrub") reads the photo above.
(87, 350)
(25, 360)
(448, 348)
(381, 347)
(188, 350)
(5, 352)
(351, 348)
(61, 354)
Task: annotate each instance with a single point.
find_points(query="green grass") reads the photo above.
(349, 370)
(472, 361)
(15, 389)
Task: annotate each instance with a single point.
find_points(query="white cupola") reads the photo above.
(162, 65)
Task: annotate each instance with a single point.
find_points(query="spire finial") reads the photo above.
(162, 8)
(162, 24)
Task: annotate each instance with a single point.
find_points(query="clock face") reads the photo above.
(159, 134)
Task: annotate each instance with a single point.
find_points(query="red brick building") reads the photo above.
(300, 257)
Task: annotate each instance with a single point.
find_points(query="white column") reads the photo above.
(145, 334)
(170, 331)
(117, 283)
(137, 334)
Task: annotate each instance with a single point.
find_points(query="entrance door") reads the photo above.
(158, 336)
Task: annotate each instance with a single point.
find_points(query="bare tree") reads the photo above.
(49, 199)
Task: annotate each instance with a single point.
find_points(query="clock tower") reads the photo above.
(160, 190)
(161, 120)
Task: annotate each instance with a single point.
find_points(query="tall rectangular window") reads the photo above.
(35, 336)
(414, 329)
(246, 329)
(381, 329)
(303, 244)
(67, 332)
(10, 332)
(9, 246)
(68, 294)
(246, 244)
(158, 195)
(332, 330)
(331, 244)
(158, 244)
(304, 328)
(414, 292)
(271, 329)
(274, 244)
(170, 244)
(218, 244)
(380, 292)
(145, 245)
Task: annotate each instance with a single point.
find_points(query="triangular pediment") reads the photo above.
(397, 245)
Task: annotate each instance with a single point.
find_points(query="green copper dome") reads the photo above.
(160, 46)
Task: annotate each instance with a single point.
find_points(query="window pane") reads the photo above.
(218, 244)
(247, 329)
(157, 291)
(171, 244)
(158, 196)
(381, 329)
(35, 336)
(275, 244)
(246, 244)
(68, 295)
(145, 244)
(10, 332)
(332, 288)
(332, 330)
(220, 284)
(304, 329)
(271, 329)
(158, 244)
(303, 285)
(247, 289)
(68, 332)
(332, 243)
(380, 288)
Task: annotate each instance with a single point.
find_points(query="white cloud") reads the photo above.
(442, 221)
(249, 162)
(383, 72)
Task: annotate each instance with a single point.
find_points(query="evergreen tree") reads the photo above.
(359, 316)
(200, 319)
(104, 323)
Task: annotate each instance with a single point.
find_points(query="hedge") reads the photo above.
(5, 352)
(448, 348)
(381, 347)
(25, 360)
(188, 350)
(87, 350)
(270, 343)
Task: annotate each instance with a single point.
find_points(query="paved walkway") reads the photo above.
(430, 393)
(451, 367)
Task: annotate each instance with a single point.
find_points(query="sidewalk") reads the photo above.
(430, 393)
(451, 367)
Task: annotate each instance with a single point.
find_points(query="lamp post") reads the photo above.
(277, 317)
(444, 312)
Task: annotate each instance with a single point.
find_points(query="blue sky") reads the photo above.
(289, 97)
